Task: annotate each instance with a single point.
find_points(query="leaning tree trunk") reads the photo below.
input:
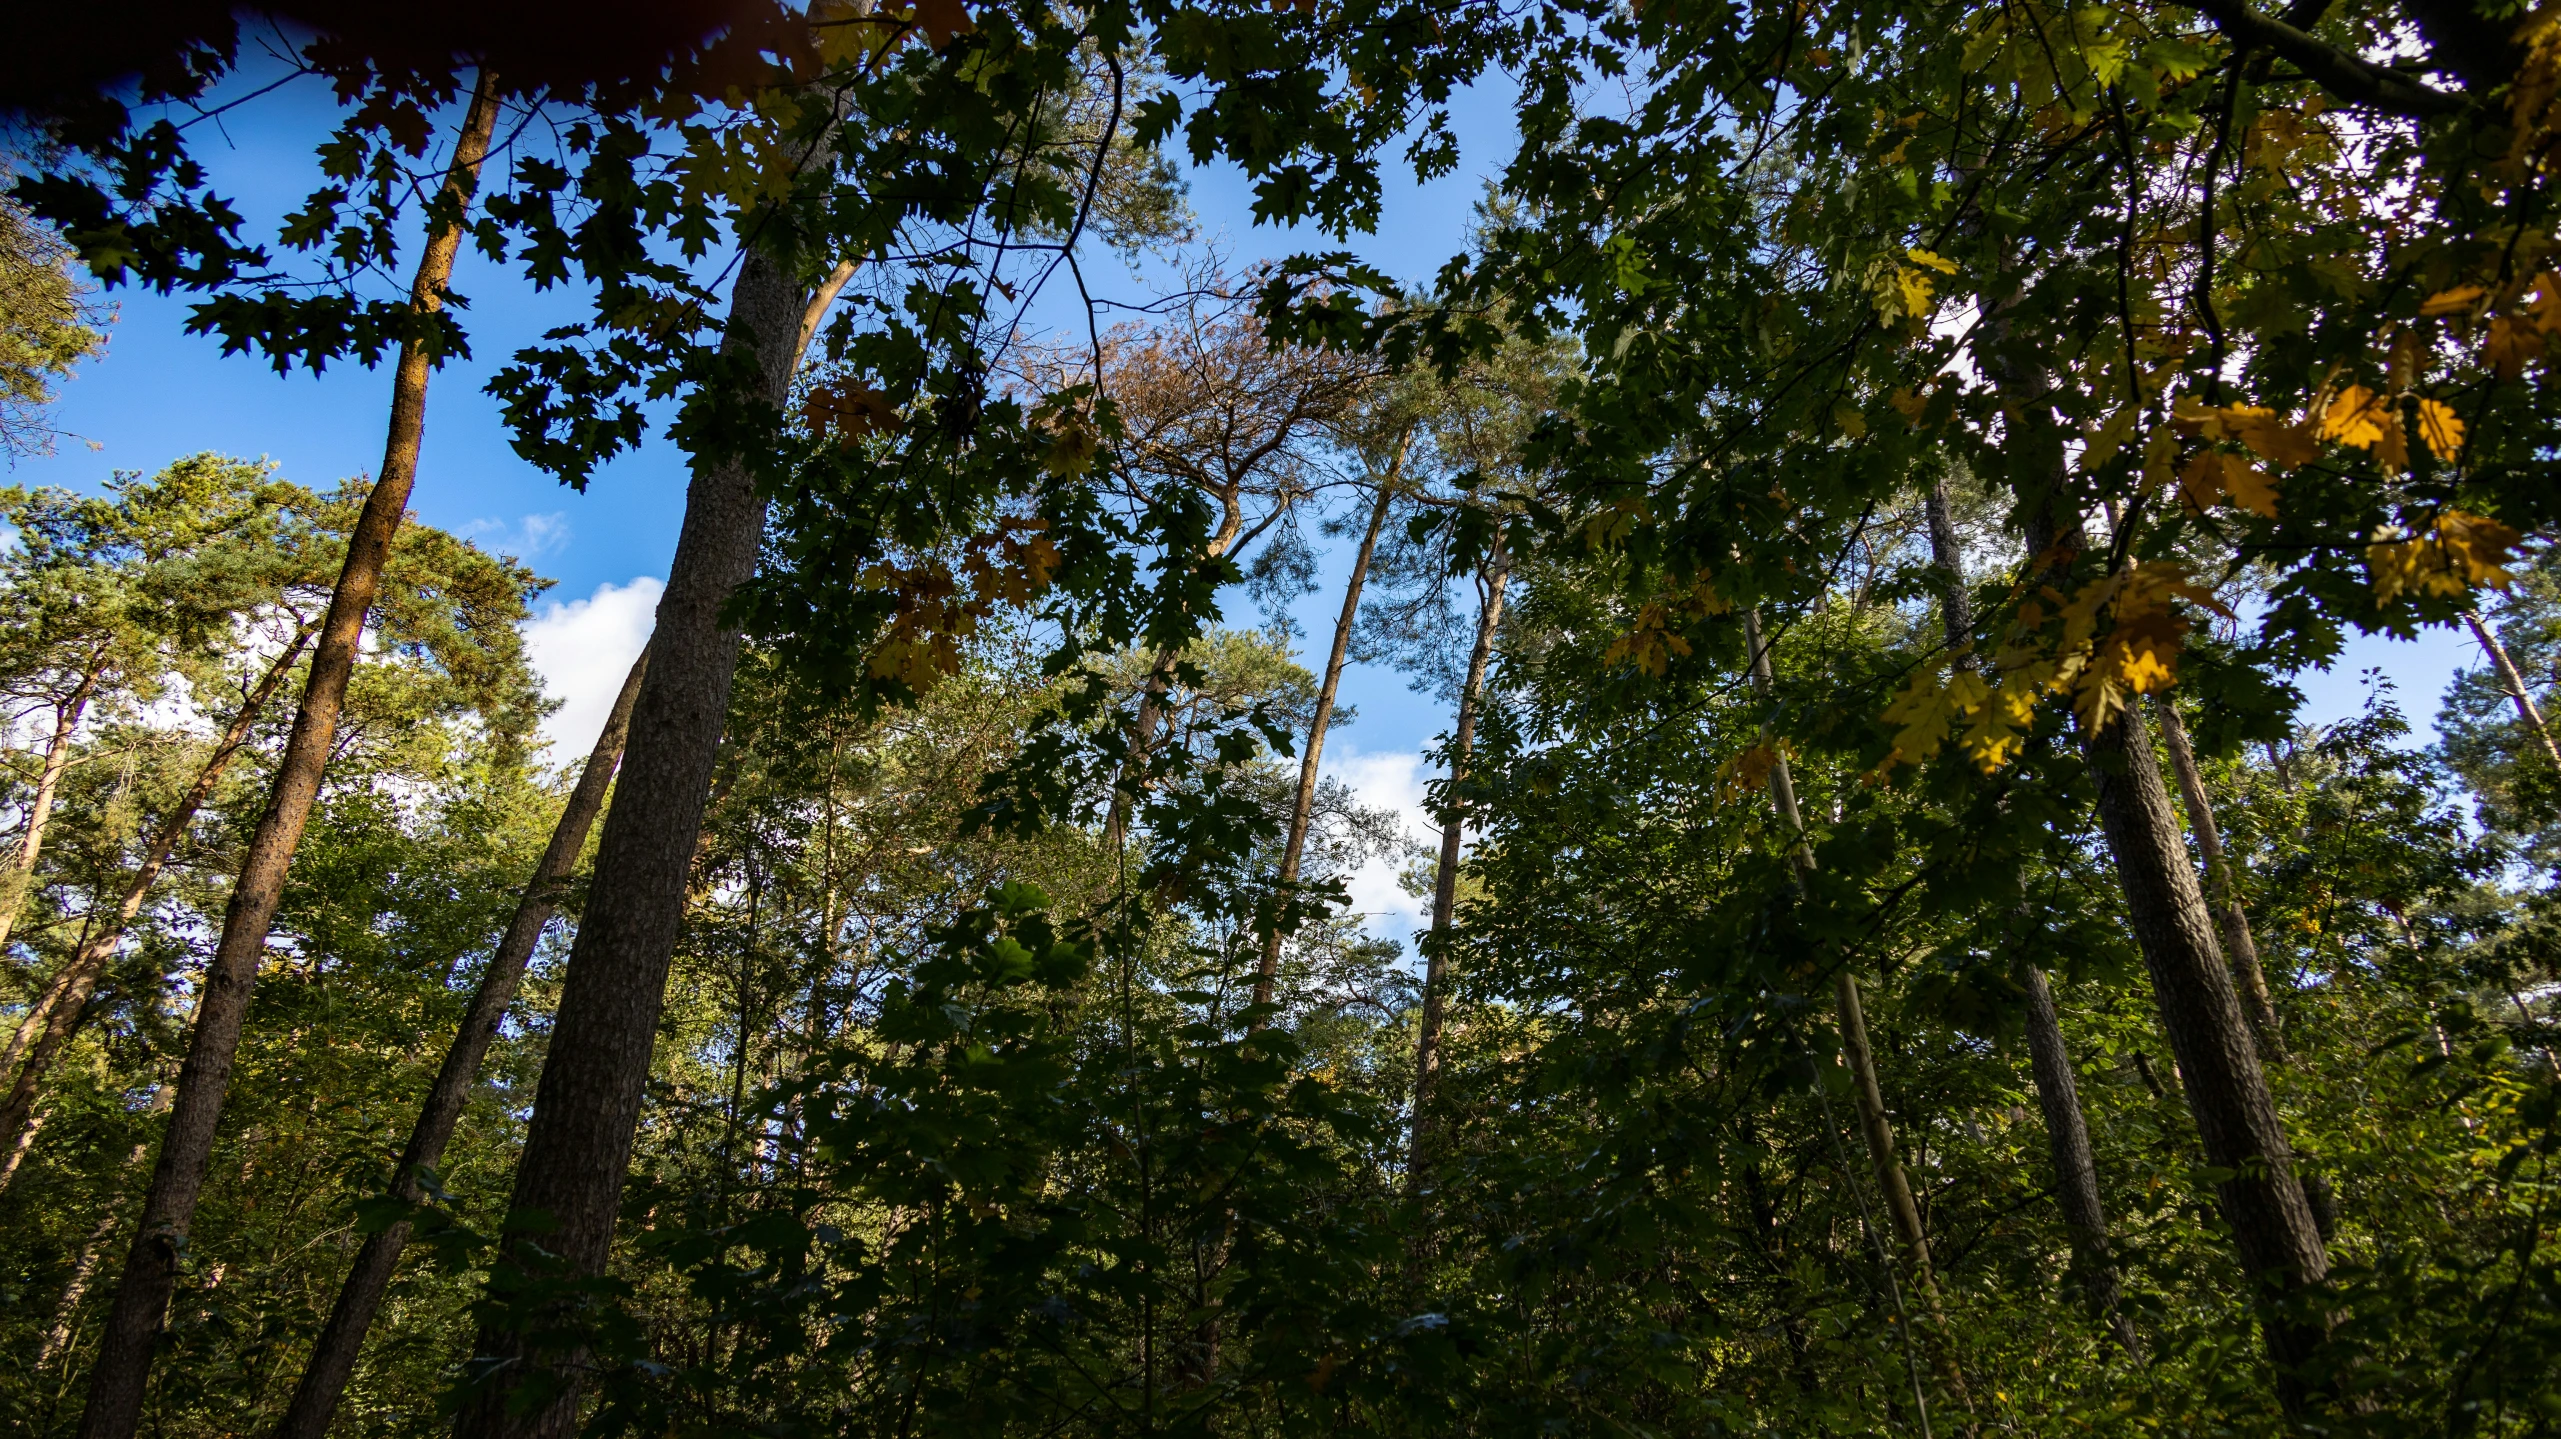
(2239, 946)
(1427, 1038)
(1303, 811)
(2262, 1202)
(1876, 1127)
(56, 1016)
(2514, 683)
(587, 1106)
(151, 1268)
(333, 1356)
(57, 758)
(2058, 1093)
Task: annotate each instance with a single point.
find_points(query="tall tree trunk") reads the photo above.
(2509, 679)
(1876, 1127)
(2262, 1201)
(57, 758)
(56, 1016)
(1303, 811)
(587, 1106)
(2239, 946)
(1471, 695)
(151, 1268)
(333, 1356)
(2058, 1094)
(2076, 1175)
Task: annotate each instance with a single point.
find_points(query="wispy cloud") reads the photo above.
(528, 537)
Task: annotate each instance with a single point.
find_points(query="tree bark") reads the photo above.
(56, 1016)
(57, 758)
(1427, 1038)
(151, 1267)
(587, 1106)
(2227, 1092)
(334, 1355)
(1294, 848)
(2509, 679)
(2239, 946)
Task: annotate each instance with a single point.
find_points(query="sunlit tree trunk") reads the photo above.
(587, 1105)
(2510, 679)
(334, 1355)
(1471, 695)
(1302, 812)
(20, 880)
(151, 1268)
(56, 1015)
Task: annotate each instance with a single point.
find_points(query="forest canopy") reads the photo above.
(1866, 494)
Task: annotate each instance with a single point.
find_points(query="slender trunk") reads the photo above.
(1427, 1039)
(2262, 1202)
(1295, 846)
(2509, 679)
(2058, 1095)
(2076, 1175)
(333, 1356)
(56, 1016)
(57, 758)
(151, 1268)
(587, 1106)
(1876, 1127)
(2238, 945)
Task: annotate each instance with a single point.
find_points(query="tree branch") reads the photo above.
(2351, 78)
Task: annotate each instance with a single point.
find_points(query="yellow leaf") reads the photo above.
(1847, 416)
(2201, 480)
(1940, 263)
(2249, 488)
(2439, 426)
(2466, 552)
(2106, 438)
(2275, 440)
(2355, 417)
(2452, 302)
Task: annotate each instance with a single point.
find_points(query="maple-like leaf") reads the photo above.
(2441, 428)
(2355, 417)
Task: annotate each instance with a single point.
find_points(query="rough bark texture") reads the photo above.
(2227, 1092)
(57, 758)
(334, 1355)
(151, 1268)
(1427, 1038)
(56, 1016)
(2239, 946)
(578, 1145)
(2509, 679)
(1295, 846)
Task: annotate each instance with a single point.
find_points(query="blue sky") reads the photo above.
(159, 393)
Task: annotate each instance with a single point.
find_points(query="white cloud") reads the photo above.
(526, 539)
(582, 649)
(1391, 780)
